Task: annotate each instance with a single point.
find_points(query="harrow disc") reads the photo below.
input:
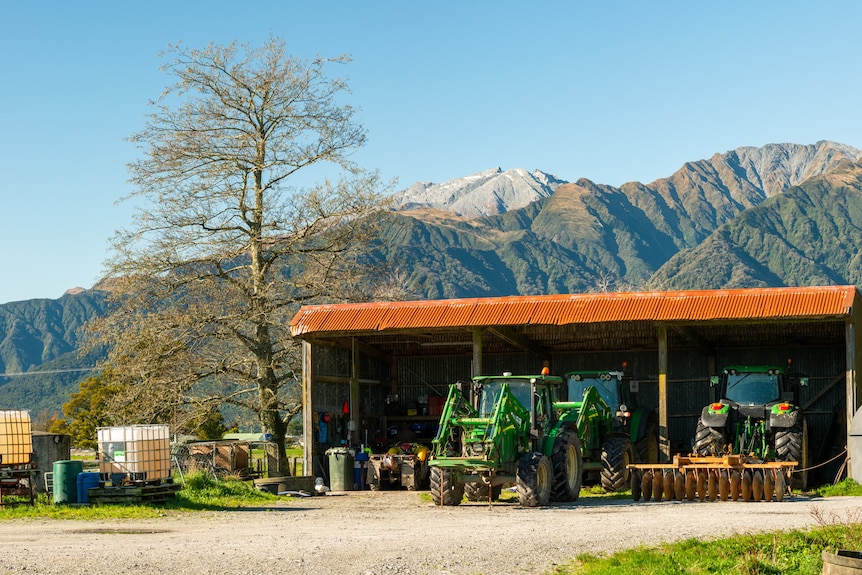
(679, 486)
(646, 485)
(668, 488)
(657, 484)
(780, 485)
(757, 485)
(768, 484)
(746, 485)
(636, 484)
(735, 487)
(723, 485)
(690, 485)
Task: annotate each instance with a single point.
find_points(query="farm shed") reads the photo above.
(372, 370)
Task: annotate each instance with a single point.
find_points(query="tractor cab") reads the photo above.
(607, 383)
(616, 388)
(756, 390)
(535, 393)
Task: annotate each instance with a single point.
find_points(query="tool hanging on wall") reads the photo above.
(323, 425)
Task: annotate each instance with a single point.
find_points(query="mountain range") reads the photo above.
(776, 215)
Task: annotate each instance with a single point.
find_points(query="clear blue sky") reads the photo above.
(611, 91)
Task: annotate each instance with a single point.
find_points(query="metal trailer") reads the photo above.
(389, 470)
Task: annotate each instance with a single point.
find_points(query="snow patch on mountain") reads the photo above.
(486, 193)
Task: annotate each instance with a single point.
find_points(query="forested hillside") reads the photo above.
(779, 215)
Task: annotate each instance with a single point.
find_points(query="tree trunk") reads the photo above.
(273, 423)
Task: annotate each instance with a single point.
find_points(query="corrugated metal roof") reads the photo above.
(798, 303)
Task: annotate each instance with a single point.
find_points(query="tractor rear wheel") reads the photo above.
(708, 440)
(534, 478)
(791, 444)
(568, 467)
(444, 489)
(647, 445)
(617, 455)
(478, 491)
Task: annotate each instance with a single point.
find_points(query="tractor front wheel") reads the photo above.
(444, 489)
(708, 440)
(617, 454)
(792, 445)
(534, 479)
(568, 467)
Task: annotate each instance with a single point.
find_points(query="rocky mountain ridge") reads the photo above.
(781, 214)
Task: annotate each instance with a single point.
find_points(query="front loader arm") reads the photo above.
(456, 408)
(588, 414)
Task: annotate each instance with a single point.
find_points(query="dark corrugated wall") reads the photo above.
(688, 383)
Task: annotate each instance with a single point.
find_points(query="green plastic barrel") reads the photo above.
(340, 469)
(66, 480)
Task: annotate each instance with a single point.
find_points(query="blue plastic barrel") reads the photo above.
(85, 481)
(360, 469)
(66, 480)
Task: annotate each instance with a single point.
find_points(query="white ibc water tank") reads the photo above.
(141, 451)
(16, 438)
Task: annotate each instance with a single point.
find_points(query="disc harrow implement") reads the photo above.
(730, 477)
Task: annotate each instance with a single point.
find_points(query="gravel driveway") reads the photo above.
(383, 533)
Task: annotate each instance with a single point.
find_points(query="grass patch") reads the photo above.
(45, 509)
(201, 492)
(846, 487)
(793, 552)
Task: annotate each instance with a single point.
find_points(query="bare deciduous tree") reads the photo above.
(223, 248)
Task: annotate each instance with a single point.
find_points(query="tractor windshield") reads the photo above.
(605, 384)
(752, 388)
(491, 389)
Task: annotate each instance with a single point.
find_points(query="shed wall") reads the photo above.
(419, 377)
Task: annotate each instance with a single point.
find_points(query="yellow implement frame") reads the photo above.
(728, 477)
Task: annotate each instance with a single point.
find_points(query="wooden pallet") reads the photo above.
(133, 494)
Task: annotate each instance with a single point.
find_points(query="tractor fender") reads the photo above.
(637, 424)
(709, 419)
(783, 420)
(640, 424)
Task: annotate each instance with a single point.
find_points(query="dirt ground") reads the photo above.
(385, 533)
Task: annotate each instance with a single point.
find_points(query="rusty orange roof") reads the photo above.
(795, 303)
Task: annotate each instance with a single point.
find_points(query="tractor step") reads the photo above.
(729, 477)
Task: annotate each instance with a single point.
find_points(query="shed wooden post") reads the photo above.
(477, 352)
(852, 402)
(353, 424)
(307, 409)
(663, 436)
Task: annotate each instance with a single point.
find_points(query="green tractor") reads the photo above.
(613, 432)
(757, 415)
(502, 430)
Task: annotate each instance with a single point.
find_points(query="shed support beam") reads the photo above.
(519, 342)
(307, 409)
(476, 364)
(663, 435)
(689, 334)
(851, 399)
(357, 344)
(353, 424)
